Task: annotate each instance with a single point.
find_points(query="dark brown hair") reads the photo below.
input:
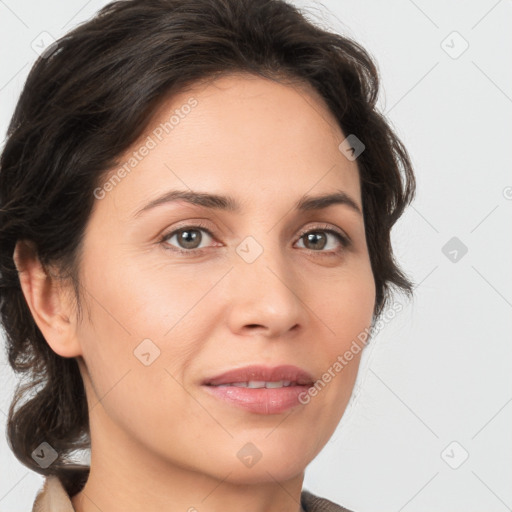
(91, 96)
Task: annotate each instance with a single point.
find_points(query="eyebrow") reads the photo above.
(228, 203)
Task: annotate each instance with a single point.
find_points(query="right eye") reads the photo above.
(188, 239)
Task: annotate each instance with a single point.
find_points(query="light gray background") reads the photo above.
(441, 370)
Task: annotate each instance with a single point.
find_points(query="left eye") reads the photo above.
(319, 238)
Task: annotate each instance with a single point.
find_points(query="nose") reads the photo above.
(264, 293)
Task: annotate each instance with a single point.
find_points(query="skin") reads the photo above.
(159, 441)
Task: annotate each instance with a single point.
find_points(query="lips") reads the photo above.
(255, 375)
(260, 389)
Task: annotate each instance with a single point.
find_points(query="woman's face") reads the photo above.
(247, 288)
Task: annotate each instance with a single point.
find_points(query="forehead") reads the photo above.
(251, 135)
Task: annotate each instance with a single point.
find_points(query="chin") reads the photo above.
(265, 464)
(265, 472)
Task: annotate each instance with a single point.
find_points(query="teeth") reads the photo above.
(258, 384)
(278, 384)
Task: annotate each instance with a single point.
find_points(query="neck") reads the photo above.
(127, 476)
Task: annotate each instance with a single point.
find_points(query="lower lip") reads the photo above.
(260, 400)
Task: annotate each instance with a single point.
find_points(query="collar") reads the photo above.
(52, 497)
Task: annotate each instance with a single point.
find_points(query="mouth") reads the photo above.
(260, 389)
(258, 384)
(257, 376)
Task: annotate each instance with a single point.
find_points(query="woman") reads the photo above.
(196, 205)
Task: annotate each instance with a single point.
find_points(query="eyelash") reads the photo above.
(342, 239)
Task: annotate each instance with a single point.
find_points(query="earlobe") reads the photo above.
(47, 301)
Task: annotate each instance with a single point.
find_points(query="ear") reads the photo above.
(47, 300)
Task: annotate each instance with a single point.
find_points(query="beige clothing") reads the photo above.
(52, 497)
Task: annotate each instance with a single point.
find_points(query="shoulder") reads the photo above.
(312, 503)
(52, 497)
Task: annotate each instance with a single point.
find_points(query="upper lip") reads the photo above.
(262, 373)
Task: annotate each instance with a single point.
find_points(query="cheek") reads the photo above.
(345, 303)
(345, 308)
(143, 328)
(132, 301)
